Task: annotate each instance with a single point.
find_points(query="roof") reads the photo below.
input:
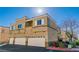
(4, 26)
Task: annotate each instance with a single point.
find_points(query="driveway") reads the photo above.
(21, 48)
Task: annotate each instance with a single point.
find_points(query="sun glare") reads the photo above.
(40, 10)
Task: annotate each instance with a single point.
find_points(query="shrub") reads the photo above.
(57, 44)
(73, 44)
(50, 43)
(60, 44)
(66, 44)
(77, 42)
(53, 44)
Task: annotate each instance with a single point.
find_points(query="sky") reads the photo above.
(9, 15)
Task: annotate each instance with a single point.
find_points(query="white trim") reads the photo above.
(42, 21)
(35, 22)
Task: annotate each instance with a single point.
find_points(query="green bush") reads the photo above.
(60, 44)
(73, 44)
(53, 44)
(77, 42)
(50, 43)
(57, 44)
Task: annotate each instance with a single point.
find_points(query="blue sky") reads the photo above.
(9, 15)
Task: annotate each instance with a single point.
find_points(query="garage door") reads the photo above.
(20, 41)
(11, 40)
(40, 42)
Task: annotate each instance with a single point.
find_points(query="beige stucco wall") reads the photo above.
(4, 34)
(52, 35)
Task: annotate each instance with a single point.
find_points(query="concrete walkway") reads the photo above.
(64, 49)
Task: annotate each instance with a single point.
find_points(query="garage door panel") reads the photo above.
(11, 40)
(20, 41)
(40, 42)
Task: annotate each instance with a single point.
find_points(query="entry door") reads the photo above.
(11, 40)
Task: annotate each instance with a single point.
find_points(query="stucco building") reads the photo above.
(4, 34)
(36, 31)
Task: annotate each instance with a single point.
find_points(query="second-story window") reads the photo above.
(12, 28)
(39, 22)
(19, 26)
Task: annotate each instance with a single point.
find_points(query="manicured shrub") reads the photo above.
(57, 44)
(60, 43)
(66, 43)
(77, 42)
(73, 44)
(50, 43)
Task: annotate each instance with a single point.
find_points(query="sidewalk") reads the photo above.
(64, 49)
(3, 44)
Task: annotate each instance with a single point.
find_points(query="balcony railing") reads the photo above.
(17, 31)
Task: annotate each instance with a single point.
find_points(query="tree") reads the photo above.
(70, 26)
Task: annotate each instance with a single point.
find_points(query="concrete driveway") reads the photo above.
(20, 48)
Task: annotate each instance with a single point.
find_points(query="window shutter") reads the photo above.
(10, 28)
(14, 28)
(35, 22)
(42, 21)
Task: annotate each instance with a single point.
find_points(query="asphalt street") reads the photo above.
(20, 48)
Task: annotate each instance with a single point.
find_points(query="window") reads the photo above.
(20, 26)
(39, 22)
(12, 28)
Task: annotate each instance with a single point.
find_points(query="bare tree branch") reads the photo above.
(69, 27)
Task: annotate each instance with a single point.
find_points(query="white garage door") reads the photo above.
(11, 40)
(20, 41)
(40, 42)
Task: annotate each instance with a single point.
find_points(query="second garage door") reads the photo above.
(20, 41)
(39, 42)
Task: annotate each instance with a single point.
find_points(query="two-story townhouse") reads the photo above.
(36, 31)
